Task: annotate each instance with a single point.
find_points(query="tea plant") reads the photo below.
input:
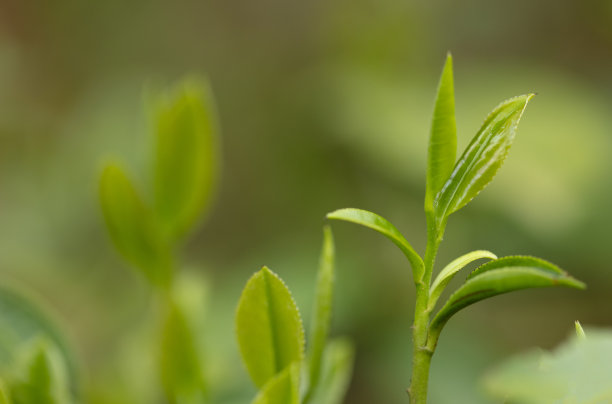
(450, 185)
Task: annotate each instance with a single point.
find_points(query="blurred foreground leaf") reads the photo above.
(336, 373)
(283, 388)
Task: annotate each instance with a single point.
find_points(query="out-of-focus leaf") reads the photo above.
(40, 376)
(337, 372)
(283, 388)
(384, 227)
(268, 326)
(131, 226)
(449, 271)
(579, 331)
(579, 371)
(501, 280)
(322, 310)
(481, 159)
(4, 396)
(186, 156)
(443, 138)
(182, 374)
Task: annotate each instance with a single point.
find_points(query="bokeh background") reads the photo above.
(323, 104)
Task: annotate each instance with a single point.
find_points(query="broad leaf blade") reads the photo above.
(481, 159)
(384, 227)
(131, 226)
(283, 388)
(322, 310)
(186, 156)
(337, 371)
(443, 138)
(268, 326)
(447, 274)
(498, 281)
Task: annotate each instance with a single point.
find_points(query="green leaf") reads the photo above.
(283, 388)
(384, 227)
(517, 261)
(507, 278)
(337, 371)
(443, 138)
(4, 395)
(182, 375)
(322, 310)
(579, 331)
(186, 156)
(269, 328)
(481, 159)
(445, 276)
(131, 227)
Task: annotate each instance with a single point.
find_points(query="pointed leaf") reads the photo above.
(131, 227)
(579, 331)
(268, 326)
(481, 159)
(322, 309)
(283, 388)
(384, 227)
(186, 156)
(447, 274)
(443, 138)
(337, 371)
(497, 281)
(517, 261)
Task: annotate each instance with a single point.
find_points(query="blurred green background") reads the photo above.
(323, 104)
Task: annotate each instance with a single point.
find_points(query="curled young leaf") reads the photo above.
(268, 326)
(443, 138)
(481, 159)
(283, 388)
(384, 227)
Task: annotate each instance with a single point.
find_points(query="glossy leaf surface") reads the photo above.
(443, 138)
(447, 274)
(481, 159)
(384, 227)
(337, 371)
(517, 261)
(185, 156)
(283, 388)
(131, 225)
(268, 326)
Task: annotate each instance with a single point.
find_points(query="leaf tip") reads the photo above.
(579, 330)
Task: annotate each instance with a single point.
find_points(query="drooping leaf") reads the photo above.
(443, 138)
(269, 328)
(517, 261)
(384, 227)
(578, 371)
(501, 280)
(186, 156)
(337, 372)
(481, 159)
(283, 388)
(131, 226)
(322, 310)
(447, 274)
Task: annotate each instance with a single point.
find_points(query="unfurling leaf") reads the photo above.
(336, 373)
(269, 328)
(283, 388)
(186, 155)
(502, 276)
(443, 137)
(132, 227)
(481, 159)
(384, 227)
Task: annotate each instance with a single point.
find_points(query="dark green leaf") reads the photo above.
(131, 227)
(268, 326)
(384, 227)
(186, 156)
(443, 138)
(283, 388)
(481, 159)
(337, 372)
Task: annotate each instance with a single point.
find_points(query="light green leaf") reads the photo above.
(384, 227)
(4, 395)
(443, 138)
(269, 328)
(516, 261)
(283, 388)
(186, 156)
(131, 227)
(337, 371)
(322, 310)
(501, 280)
(447, 274)
(579, 331)
(181, 371)
(481, 159)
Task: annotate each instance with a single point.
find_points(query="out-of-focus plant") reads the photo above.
(450, 185)
(271, 339)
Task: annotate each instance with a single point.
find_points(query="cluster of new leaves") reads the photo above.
(271, 339)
